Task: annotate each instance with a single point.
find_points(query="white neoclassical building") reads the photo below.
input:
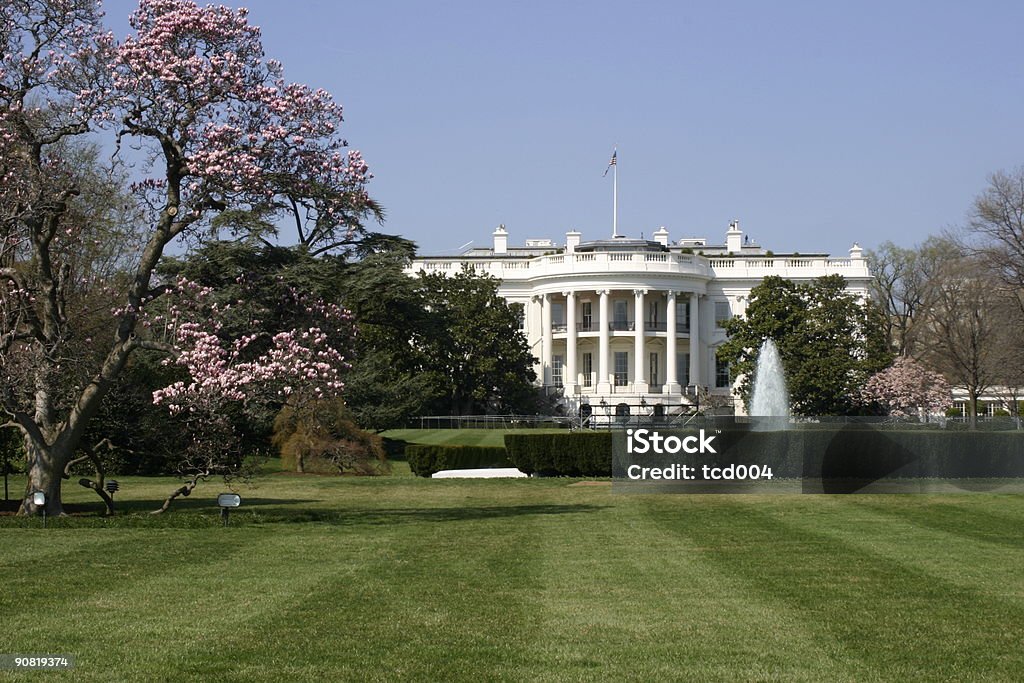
(632, 324)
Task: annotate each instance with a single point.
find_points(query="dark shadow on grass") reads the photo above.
(390, 516)
(263, 511)
(191, 504)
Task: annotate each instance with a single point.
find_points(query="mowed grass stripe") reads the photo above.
(443, 600)
(86, 580)
(165, 624)
(969, 560)
(899, 621)
(995, 519)
(629, 600)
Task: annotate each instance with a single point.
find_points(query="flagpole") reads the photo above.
(614, 166)
(615, 200)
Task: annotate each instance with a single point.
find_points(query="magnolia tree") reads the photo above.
(253, 372)
(906, 387)
(222, 132)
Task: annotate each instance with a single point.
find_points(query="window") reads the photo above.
(652, 312)
(587, 317)
(557, 317)
(722, 313)
(652, 372)
(682, 316)
(683, 369)
(722, 380)
(588, 369)
(621, 368)
(620, 319)
(557, 364)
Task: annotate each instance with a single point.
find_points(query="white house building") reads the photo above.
(631, 324)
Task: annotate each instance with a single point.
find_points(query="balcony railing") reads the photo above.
(652, 262)
(621, 326)
(659, 326)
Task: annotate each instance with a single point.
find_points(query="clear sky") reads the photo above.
(814, 123)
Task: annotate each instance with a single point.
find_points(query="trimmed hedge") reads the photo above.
(579, 454)
(425, 459)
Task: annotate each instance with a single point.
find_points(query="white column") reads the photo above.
(569, 369)
(671, 383)
(639, 367)
(695, 373)
(603, 386)
(545, 350)
(534, 334)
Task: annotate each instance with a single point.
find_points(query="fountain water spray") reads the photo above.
(770, 398)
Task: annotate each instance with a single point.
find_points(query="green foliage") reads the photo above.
(480, 355)
(426, 459)
(392, 378)
(12, 454)
(828, 340)
(578, 454)
(144, 438)
(321, 435)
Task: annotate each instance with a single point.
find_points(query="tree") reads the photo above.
(392, 376)
(997, 224)
(259, 372)
(222, 131)
(901, 283)
(479, 352)
(969, 328)
(829, 342)
(323, 432)
(906, 387)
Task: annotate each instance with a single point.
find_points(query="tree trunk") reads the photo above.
(972, 411)
(45, 467)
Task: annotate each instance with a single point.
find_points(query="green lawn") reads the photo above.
(399, 578)
(461, 437)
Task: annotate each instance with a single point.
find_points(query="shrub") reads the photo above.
(586, 454)
(322, 437)
(426, 459)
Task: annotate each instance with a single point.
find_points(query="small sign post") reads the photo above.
(39, 500)
(226, 501)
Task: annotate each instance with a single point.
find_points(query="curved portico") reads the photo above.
(623, 339)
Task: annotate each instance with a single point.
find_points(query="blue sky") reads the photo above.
(814, 123)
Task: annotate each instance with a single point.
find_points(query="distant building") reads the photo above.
(631, 324)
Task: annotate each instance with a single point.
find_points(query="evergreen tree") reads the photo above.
(829, 341)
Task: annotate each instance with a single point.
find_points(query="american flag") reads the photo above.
(611, 163)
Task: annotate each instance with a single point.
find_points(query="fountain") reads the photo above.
(770, 399)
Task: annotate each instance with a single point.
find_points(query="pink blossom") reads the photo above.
(905, 387)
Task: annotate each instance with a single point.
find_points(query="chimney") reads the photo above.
(856, 253)
(572, 240)
(501, 240)
(661, 236)
(734, 238)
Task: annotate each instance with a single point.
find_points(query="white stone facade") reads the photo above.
(632, 321)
